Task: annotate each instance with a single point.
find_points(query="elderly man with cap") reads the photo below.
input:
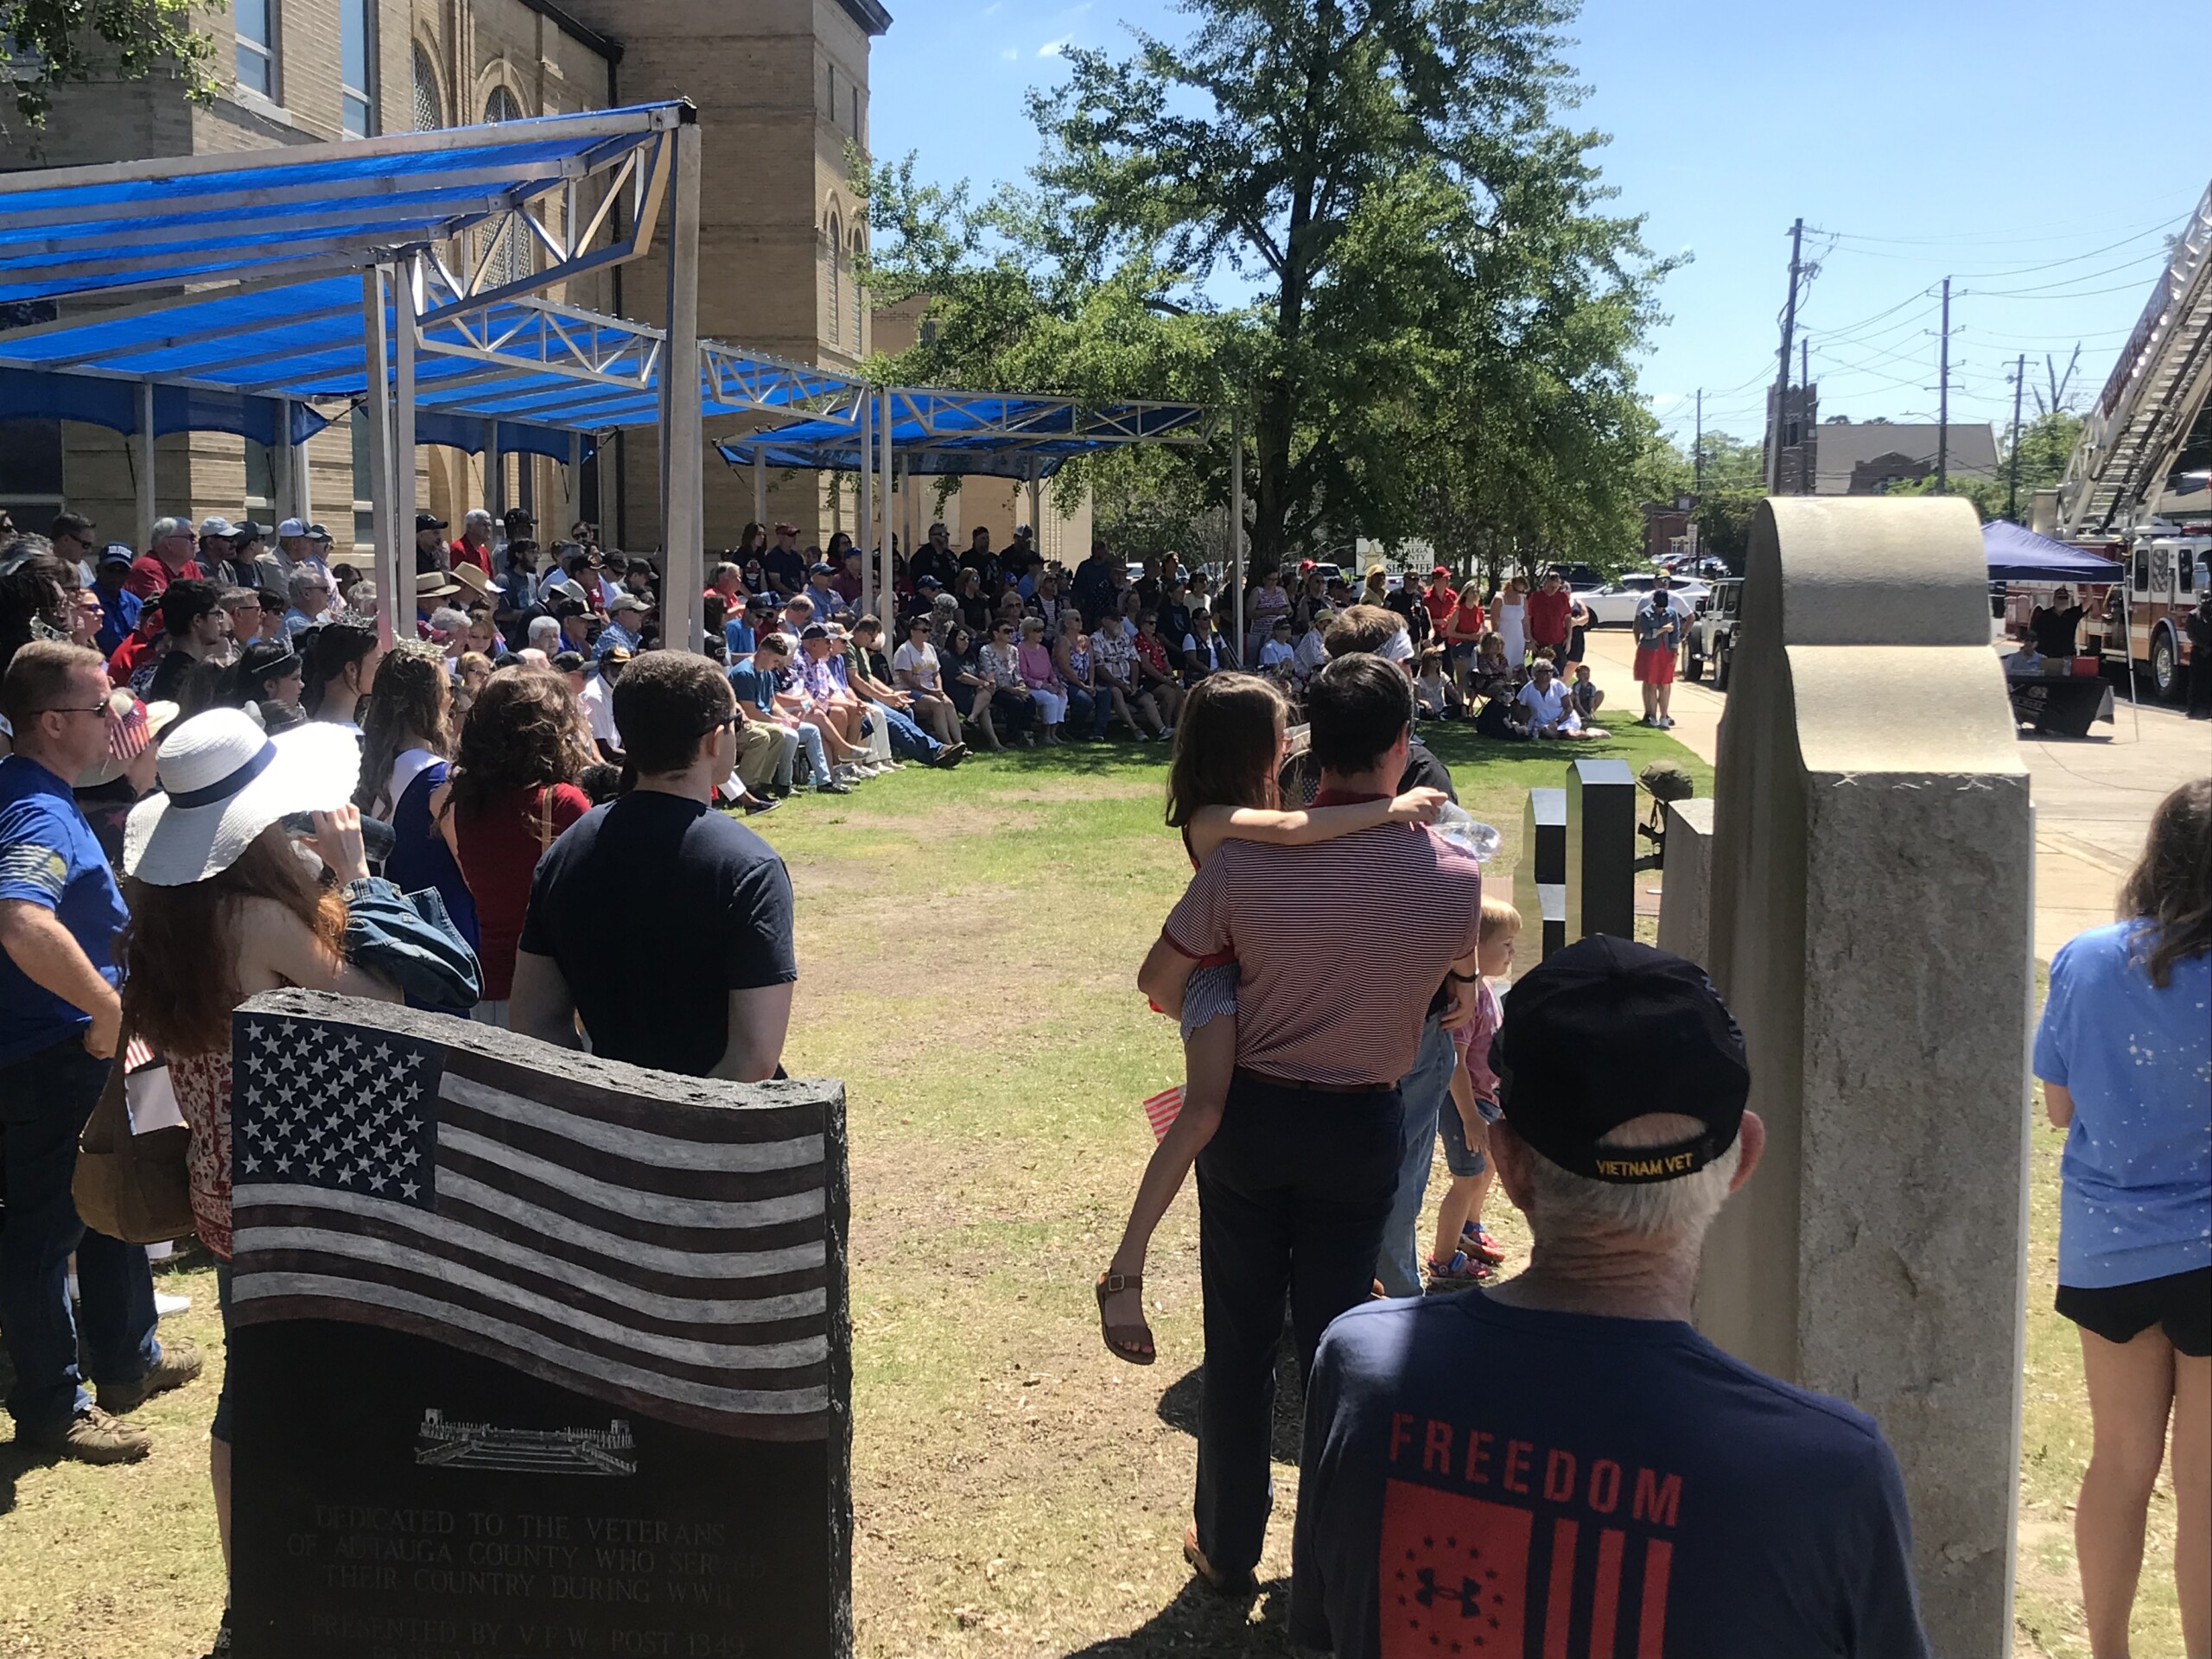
(626, 621)
(742, 632)
(821, 588)
(1565, 1453)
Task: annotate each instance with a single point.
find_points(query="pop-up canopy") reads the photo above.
(2019, 555)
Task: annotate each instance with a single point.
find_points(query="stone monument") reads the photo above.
(1685, 927)
(1600, 848)
(1539, 878)
(1869, 926)
(532, 1353)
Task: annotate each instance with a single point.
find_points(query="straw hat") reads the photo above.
(224, 781)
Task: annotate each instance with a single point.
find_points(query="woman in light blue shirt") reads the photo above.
(2125, 1053)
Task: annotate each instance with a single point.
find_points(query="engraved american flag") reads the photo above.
(626, 1233)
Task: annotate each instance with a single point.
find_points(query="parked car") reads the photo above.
(1712, 633)
(1614, 604)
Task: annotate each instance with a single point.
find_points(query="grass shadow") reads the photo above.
(1179, 1405)
(1198, 1620)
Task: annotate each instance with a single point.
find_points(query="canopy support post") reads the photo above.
(865, 524)
(885, 588)
(302, 479)
(682, 436)
(573, 508)
(1036, 503)
(760, 491)
(495, 474)
(145, 442)
(403, 302)
(1236, 523)
(378, 412)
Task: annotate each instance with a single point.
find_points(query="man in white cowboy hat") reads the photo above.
(433, 589)
(60, 1016)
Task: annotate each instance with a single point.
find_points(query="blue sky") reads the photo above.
(1968, 138)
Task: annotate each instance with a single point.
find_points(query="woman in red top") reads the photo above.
(1463, 632)
(513, 792)
(1440, 598)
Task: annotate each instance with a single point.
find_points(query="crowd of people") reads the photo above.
(305, 808)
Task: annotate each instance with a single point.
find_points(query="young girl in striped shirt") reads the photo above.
(1230, 744)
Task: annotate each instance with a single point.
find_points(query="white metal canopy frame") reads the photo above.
(589, 189)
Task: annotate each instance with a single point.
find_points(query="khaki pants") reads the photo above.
(756, 755)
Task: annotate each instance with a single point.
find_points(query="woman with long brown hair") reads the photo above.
(2125, 1053)
(226, 903)
(512, 791)
(407, 747)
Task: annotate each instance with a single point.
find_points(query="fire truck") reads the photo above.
(2139, 617)
(2156, 406)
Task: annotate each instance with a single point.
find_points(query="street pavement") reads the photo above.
(2092, 795)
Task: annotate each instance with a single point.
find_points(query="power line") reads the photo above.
(2164, 228)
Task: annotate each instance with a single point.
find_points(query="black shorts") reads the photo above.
(2180, 1304)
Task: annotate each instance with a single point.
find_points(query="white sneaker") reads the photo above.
(165, 1305)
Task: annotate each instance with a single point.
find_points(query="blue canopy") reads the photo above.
(304, 340)
(114, 404)
(2019, 555)
(971, 433)
(287, 210)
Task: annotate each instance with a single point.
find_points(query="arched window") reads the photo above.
(511, 263)
(836, 277)
(430, 108)
(859, 248)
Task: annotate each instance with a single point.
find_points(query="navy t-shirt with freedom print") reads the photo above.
(1489, 1482)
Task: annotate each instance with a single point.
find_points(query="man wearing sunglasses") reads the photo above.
(59, 912)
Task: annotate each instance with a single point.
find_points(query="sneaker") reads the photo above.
(166, 1304)
(833, 787)
(1462, 1272)
(92, 1436)
(1666, 722)
(178, 1365)
(753, 809)
(1475, 1240)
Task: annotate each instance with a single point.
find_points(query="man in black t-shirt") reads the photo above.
(2055, 627)
(696, 976)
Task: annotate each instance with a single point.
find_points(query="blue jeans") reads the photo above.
(1293, 1191)
(817, 758)
(908, 741)
(1427, 1091)
(1084, 709)
(44, 1100)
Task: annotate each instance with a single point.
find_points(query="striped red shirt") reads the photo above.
(1339, 946)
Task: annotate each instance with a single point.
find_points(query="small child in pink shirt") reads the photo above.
(1464, 1254)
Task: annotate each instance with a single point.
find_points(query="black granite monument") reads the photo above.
(531, 1353)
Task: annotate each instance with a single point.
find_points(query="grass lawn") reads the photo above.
(967, 946)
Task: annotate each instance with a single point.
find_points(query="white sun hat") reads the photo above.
(224, 781)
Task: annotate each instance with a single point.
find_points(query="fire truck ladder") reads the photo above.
(2156, 391)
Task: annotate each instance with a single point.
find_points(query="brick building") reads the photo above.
(782, 87)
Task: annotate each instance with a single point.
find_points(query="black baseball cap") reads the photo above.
(1607, 1030)
(427, 521)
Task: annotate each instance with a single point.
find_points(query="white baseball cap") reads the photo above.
(216, 524)
(291, 527)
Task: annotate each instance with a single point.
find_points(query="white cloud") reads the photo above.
(1051, 48)
(1011, 54)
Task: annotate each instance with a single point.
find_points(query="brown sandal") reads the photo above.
(1122, 1340)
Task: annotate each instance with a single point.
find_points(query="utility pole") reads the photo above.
(2019, 384)
(1805, 415)
(1697, 452)
(1782, 380)
(1943, 401)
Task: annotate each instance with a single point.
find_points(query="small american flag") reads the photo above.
(1161, 1111)
(669, 1254)
(126, 732)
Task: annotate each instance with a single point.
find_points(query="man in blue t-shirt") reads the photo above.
(59, 912)
(1562, 1464)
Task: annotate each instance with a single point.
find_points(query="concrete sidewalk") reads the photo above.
(2092, 795)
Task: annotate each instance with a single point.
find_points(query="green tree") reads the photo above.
(54, 42)
(1436, 316)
